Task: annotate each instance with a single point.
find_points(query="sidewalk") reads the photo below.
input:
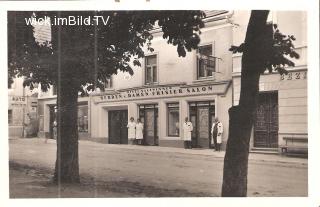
(195, 151)
(125, 169)
(207, 152)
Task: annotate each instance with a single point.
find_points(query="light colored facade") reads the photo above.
(174, 90)
(21, 102)
(281, 118)
(200, 86)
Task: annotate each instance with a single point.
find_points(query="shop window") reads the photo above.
(83, 118)
(173, 119)
(10, 116)
(151, 73)
(206, 63)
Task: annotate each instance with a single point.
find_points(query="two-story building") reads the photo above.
(168, 88)
(200, 86)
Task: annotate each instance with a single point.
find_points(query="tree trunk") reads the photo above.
(235, 169)
(67, 162)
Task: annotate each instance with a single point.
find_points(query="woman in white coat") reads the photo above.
(187, 129)
(139, 132)
(131, 131)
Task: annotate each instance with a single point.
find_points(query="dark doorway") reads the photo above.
(148, 115)
(52, 117)
(266, 121)
(118, 132)
(201, 115)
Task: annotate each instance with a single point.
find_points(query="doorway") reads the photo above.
(266, 121)
(118, 132)
(201, 115)
(52, 117)
(148, 115)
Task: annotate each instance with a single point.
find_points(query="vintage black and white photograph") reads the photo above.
(157, 103)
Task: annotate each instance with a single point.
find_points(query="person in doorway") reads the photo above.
(187, 129)
(27, 126)
(131, 131)
(54, 131)
(216, 131)
(139, 132)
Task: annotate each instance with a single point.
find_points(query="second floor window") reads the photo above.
(108, 83)
(206, 64)
(151, 71)
(54, 90)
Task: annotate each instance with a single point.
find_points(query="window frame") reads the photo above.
(198, 65)
(177, 106)
(151, 82)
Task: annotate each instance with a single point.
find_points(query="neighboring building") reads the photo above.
(22, 110)
(47, 106)
(281, 117)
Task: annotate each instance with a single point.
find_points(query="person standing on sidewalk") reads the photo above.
(131, 131)
(187, 129)
(139, 132)
(216, 131)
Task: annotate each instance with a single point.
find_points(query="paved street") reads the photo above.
(126, 170)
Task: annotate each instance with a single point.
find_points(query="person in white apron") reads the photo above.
(187, 129)
(216, 131)
(139, 132)
(131, 131)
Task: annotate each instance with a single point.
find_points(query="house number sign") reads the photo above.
(294, 76)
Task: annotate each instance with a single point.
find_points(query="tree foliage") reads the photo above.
(96, 51)
(277, 50)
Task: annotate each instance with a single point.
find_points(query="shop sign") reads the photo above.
(161, 92)
(17, 101)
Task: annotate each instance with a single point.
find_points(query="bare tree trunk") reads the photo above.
(235, 169)
(67, 162)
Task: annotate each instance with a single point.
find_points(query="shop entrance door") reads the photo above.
(148, 115)
(118, 132)
(201, 116)
(266, 121)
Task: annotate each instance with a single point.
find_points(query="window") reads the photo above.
(54, 90)
(205, 62)
(173, 119)
(83, 118)
(108, 83)
(151, 69)
(10, 116)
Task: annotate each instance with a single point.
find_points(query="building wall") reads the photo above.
(172, 70)
(291, 88)
(21, 101)
(175, 70)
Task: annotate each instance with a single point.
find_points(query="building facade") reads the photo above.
(200, 86)
(281, 117)
(166, 89)
(22, 110)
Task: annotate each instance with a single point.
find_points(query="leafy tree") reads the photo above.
(79, 56)
(264, 48)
